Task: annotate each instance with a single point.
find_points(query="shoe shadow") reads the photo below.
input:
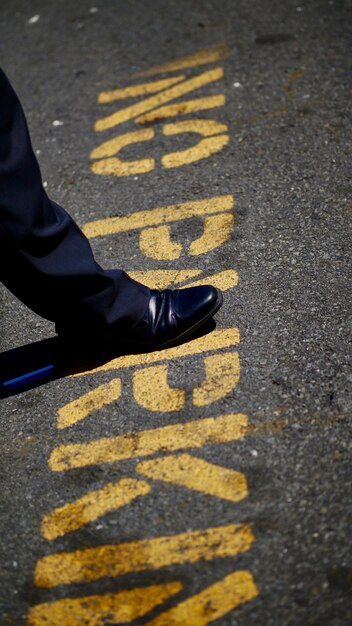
(38, 363)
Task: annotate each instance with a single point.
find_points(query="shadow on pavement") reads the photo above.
(35, 364)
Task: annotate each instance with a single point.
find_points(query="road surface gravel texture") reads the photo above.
(204, 141)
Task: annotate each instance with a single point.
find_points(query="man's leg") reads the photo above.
(45, 260)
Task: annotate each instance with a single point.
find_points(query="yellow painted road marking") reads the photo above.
(223, 280)
(203, 150)
(211, 603)
(160, 215)
(189, 471)
(152, 391)
(206, 128)
(157, 100)
(222, 373)
(195, 434)
(182, 108)
(137, 556)
(120, 608)
(112, 146)
(77, 410)
(217, 340)
(160, 279)
(156, 243)
(213, 142)
(202, 57)
(119, 167)
(90, 507)
(217, 230)
(138, 90)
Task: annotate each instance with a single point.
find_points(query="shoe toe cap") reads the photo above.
(195, 303)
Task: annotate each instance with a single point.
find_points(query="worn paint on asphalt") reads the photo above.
(65, 568)
(185, 435)
(169, 463)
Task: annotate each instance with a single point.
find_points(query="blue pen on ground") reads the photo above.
(29, 377)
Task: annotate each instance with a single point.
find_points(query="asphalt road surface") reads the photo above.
(204, 141)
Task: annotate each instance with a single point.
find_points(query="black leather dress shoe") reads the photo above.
(173, 316)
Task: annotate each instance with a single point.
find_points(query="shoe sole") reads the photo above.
(195, 327)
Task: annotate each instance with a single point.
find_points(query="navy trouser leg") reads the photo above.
(45, 259)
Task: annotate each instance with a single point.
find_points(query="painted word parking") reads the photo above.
(172, 453)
